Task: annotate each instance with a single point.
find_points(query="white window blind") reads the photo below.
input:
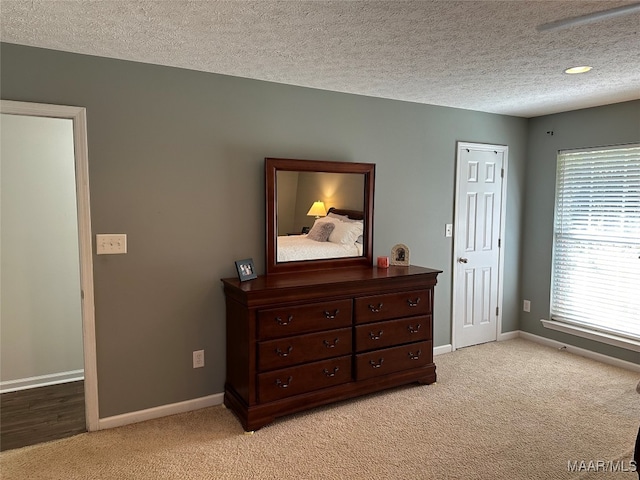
(596, 253)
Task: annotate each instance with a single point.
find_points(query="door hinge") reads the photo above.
(502, 173)
(499, 243)
(497, 311)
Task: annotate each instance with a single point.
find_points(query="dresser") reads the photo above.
(300, 340)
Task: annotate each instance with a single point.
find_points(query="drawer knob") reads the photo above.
(413, 329)
(375, 364)
(415, 356)
(330, 315)
(413, 303)
(328, 344)
(284, 354)
(373, 336)
(375, 309)
(281, 384)
(331, 374)
(284, 322)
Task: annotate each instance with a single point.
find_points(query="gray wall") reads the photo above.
(609, 125)
(41, 319)
(176, 162)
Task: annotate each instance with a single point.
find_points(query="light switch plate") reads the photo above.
(111, 244)
(448, 230)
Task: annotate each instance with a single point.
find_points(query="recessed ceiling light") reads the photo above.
(574, 70)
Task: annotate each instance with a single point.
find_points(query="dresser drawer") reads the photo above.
(289, 351)
(392, 305)
(303, 378)
(284, 321)
(392, 332)
(389, 360)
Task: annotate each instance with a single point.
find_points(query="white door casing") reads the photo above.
(477, 252)
(79, 118)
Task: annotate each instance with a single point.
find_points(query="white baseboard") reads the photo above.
(41, 381)
(508, 336)
(161, 411)
(581, 351)
(442, 349)
(186, 406)
(601, 337)
(217, 399)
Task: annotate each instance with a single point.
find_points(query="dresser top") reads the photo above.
(336, 275)
(359, 280)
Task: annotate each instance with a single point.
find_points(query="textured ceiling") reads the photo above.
(478, 55)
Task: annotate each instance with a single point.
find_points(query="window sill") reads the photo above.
(607, 338)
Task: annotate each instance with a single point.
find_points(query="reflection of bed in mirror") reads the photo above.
(343, 239)
(292, 186)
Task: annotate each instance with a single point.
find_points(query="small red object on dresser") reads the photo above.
(383, 262)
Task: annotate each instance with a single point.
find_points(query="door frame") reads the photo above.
(503, 210)
(78, 115)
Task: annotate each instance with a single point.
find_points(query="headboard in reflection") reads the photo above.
(346, 192)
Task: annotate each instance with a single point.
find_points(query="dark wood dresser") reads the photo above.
(300, 340)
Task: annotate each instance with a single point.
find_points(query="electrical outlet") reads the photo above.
(198, 358)
(111, 244)
(526, 305)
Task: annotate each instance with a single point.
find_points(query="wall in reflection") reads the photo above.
(298, 190)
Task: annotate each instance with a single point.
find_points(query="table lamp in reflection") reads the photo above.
(317, 210)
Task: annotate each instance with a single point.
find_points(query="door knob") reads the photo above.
(462, 260)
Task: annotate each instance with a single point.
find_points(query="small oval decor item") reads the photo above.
(400, 254)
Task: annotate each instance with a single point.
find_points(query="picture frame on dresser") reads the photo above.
(400, 255)
(246, 269)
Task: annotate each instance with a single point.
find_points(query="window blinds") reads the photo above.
(596, 252)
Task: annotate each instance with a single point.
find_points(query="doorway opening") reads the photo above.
(50, 275)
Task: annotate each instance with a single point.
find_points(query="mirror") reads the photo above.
(293, 189)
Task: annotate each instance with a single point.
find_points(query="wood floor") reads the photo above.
(41, 414)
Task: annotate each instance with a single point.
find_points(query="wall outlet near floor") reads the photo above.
(198, 358)
(526, 305)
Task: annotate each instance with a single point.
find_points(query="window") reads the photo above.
(596, 251)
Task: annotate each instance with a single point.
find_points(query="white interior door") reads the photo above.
(477, 243)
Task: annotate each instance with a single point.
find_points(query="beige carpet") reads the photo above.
(508, 410)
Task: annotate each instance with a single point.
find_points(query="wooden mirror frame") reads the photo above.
(272, 167)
